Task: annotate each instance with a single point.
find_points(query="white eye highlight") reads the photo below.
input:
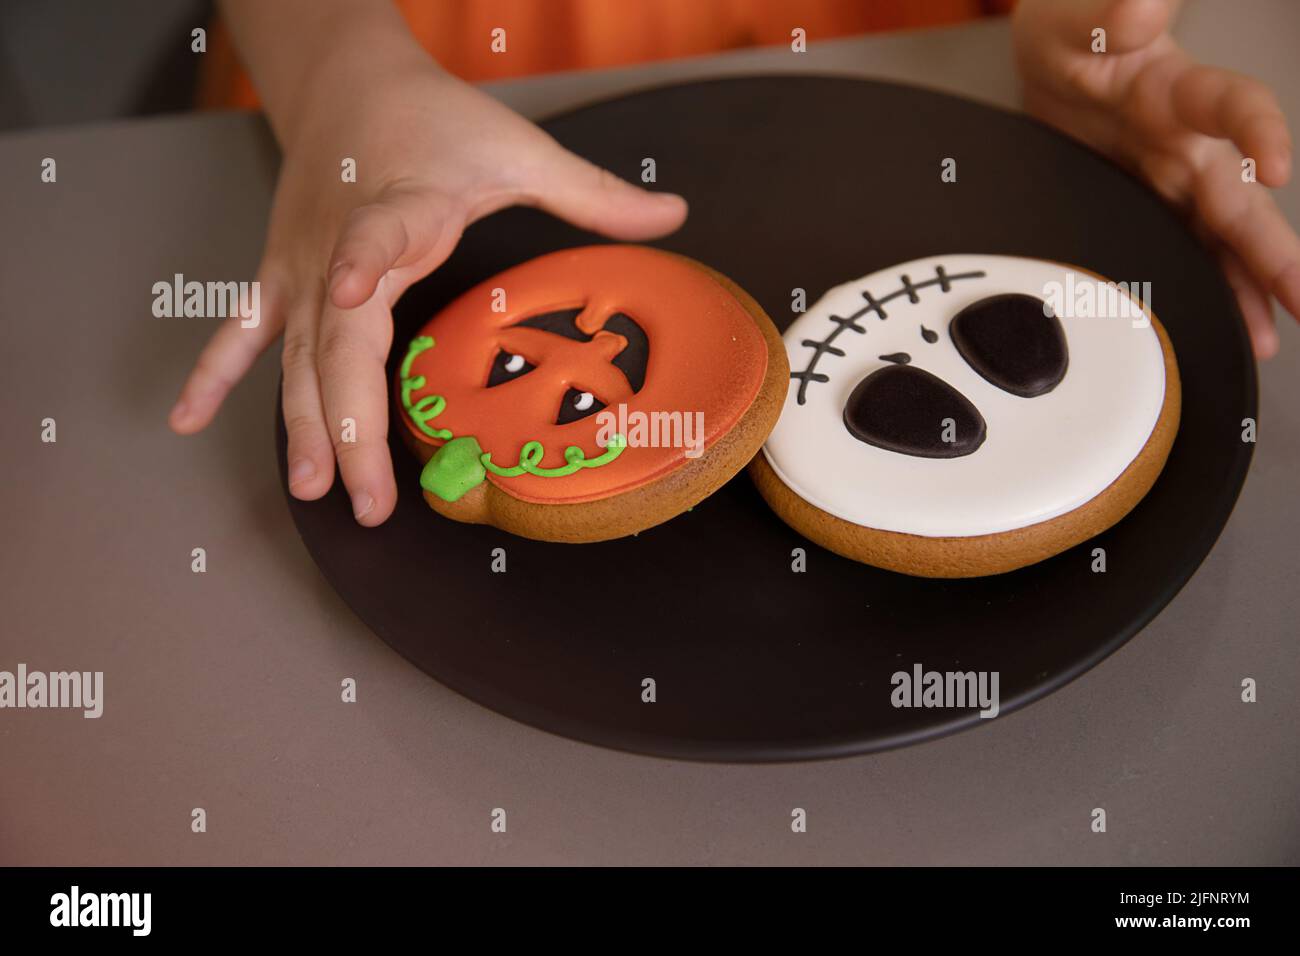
(583, 401)
(514, 363)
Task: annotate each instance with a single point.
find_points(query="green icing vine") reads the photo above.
(574, 460)
(429, 407)
(418, 344)
(460, 464)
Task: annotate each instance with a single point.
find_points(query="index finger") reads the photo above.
(1228, 105)
(353, 347)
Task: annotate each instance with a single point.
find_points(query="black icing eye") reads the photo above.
(1013, 341)
(905, 409)
(507, 367)
(577, 405)
(633, 359)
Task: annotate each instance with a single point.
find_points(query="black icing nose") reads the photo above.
(905, 409)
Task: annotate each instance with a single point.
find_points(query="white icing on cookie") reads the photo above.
(1042, 456)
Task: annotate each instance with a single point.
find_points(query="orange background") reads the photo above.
(544, 36)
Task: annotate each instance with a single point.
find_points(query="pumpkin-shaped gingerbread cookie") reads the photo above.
(589, 393)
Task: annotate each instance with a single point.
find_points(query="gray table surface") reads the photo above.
(222, 689)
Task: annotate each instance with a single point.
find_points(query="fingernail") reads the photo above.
(301, 470)
(362, 503)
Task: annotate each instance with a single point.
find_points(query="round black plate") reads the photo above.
(803, 182)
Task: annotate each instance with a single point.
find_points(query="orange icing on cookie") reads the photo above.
(705, 354)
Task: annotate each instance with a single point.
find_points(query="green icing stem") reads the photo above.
(575, 459)
(454, 469)
(429, 407)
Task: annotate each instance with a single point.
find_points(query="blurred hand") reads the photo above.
(432, 155)
(1181, 126)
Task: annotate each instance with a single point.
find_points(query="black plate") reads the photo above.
(803, 182)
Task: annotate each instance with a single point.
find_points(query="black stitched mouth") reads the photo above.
(877, 305)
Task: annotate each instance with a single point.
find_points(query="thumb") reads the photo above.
(596, 200)
(402, 228)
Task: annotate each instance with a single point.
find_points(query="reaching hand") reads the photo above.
(432, 155)
(1184, 127)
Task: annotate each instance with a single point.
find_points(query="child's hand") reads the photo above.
(1183, 127)
(432, 155)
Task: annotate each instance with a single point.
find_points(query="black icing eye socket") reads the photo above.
(507, 367)
(905, 409)
(632, 361)
(634, 358)
(1013, 341)
(563, 322)
(577, 405)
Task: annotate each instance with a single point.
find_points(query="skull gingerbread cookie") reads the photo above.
(590, 393)
(967, 415)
